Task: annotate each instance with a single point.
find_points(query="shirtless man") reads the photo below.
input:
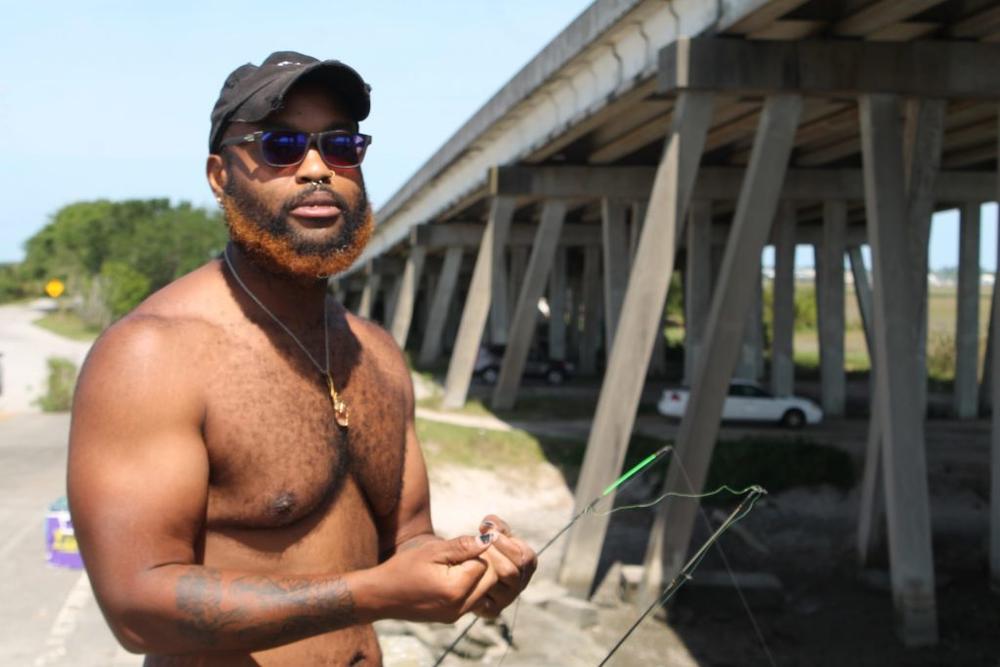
(227, 513)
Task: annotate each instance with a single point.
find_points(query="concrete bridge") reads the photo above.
(651, 136)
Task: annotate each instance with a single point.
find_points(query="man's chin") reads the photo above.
(304, 267)
(303, 253)
(306, 255)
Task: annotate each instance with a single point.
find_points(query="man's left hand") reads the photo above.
(512, 559)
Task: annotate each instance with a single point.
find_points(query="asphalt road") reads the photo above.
(25, 349)
(48, 616)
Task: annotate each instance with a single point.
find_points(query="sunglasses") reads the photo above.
(339, 149)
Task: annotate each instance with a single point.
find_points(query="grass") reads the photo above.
(779, 465)
(530, 408)
(61, 381)
(68, 325)
(942, 308)
(776, 464)
(477, 448)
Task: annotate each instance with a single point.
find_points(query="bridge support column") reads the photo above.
(557, 306)
(592, 307)
(614, 237)
(751, 360)
(370, 292)
(499, 321)
(444, 292)
(896, 346)
(697, 283)
(638, 327)
(830, 301)
(871, 506)
(409, 284)
(515, 279)
(637, 214)
(733, 295)
(967, 321)
(994, 371)
(477, 302)
(782, 338)
(526, 312)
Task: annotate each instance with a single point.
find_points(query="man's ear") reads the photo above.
(217, 174)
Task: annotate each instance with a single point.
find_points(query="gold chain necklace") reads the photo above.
(340, 410)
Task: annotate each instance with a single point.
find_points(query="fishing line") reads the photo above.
(754, 493)
(619, 483)
(725, 488)
(750, 494)
(732, 577)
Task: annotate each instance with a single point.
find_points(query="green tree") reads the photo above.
(123, 287)
(86, 244)
(805, 307)
(12, 284)
(170, 243)
(675, 299)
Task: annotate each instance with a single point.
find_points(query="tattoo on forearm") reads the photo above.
(259, 610)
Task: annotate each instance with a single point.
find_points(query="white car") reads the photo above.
(748, 401)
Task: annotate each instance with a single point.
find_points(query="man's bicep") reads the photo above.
(414, 512)
(138, 470)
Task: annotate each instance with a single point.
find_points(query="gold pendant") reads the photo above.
(340, 411)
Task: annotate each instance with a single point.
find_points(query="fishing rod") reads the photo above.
(753, 494)
(617, 484)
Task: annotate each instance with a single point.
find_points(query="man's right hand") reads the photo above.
(436, 581)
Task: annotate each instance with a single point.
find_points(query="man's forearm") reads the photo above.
(215, 610)
(416, 541)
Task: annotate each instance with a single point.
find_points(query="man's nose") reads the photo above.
(313, 168)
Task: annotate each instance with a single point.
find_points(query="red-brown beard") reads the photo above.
(267, 240)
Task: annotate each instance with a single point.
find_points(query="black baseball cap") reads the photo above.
(251, 93)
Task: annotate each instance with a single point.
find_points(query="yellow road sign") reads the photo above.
(54, 288)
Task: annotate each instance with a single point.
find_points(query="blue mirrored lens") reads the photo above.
(281, 149)
(341, 149)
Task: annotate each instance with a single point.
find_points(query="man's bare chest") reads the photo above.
(276, 452)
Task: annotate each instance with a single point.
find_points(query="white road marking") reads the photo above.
(65, 623)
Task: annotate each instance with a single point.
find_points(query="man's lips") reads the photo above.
(317, 206)
(316, 211)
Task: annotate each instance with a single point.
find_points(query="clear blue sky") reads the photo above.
(111, 98)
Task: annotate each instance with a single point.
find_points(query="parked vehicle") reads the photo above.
(748, 401)
(489, 358)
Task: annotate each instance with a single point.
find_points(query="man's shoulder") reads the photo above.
(194, 297)
(168, 324)
(379, 346)
(370, 333)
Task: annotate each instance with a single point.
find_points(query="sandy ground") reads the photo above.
(828, 611)
(25, 349)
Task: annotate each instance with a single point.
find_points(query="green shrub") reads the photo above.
(805, 307)
(58, 395)
(124, 287)
(941, 356)
(12, 286)
(778, 465)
